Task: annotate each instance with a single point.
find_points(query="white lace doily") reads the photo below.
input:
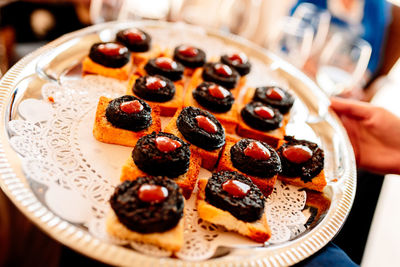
(59, 151)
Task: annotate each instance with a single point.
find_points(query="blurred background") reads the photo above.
(342, 44)
(348, 47)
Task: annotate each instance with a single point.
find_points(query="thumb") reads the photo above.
(351, 108)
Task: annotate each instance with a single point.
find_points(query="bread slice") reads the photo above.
(317, 183)
(91, 67)
(139, 58)
(272, 137)
(266, 185)
(319, 202)
(186, 181)
(189, 72)
(227, 119)
(105, 132)
(166, 108)
(208, 158)
(258, 231)
(171, 240)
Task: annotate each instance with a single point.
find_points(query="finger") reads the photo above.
(351, 108)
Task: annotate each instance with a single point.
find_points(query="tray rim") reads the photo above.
(14, 184)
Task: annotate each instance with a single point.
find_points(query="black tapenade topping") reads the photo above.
(261, 117)
(248, 208)
(275, 97)
(263, 168)
(135, 39)
(146, 87)
(133, 121)
(189, 56)
(150, 159)
(305, 170)
(238, 61)
(189, 127)
(143, 216)
(221, 102)
(165, 67)
(112, 55)
(221, 74)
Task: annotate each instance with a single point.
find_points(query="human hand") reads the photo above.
(374, 133)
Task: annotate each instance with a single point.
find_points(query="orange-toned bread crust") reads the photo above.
(186, 181)
(171, 240)
(227, 119)
(166, 108)
(139, 58)
(318, 201)
(209, 158)
(105, 132)
(266, 185)
(272, 138)
(317, 183)
(258, 231)
(188, 72)
(248, 94)
(91, 67)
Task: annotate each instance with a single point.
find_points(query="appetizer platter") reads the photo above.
(163, 143)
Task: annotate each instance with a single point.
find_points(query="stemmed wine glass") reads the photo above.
(293, 41)
(343, 63)
(318, 19)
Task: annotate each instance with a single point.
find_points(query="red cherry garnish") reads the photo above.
(218, 91)
(275, 94)
(188, 51)
(237, 59)
(166, 63)
(264, 112)
(152, 193)
(256, 150)
(223, 70)
(206, 124)
(297, 154)
(130, 107)
(236, 188)
(134, 35)
(112, 49)
(155, 83)
(166, 144)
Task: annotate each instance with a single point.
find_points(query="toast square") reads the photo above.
(317, 183)
(266, 185)
(171, 240)
(209, 159)
(228, 119)
(272, 137)
(186, 181)
(91, 67)
(105, 132)
(258, 231)
(168, 108)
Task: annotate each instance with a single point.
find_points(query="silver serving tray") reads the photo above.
(61, 57)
